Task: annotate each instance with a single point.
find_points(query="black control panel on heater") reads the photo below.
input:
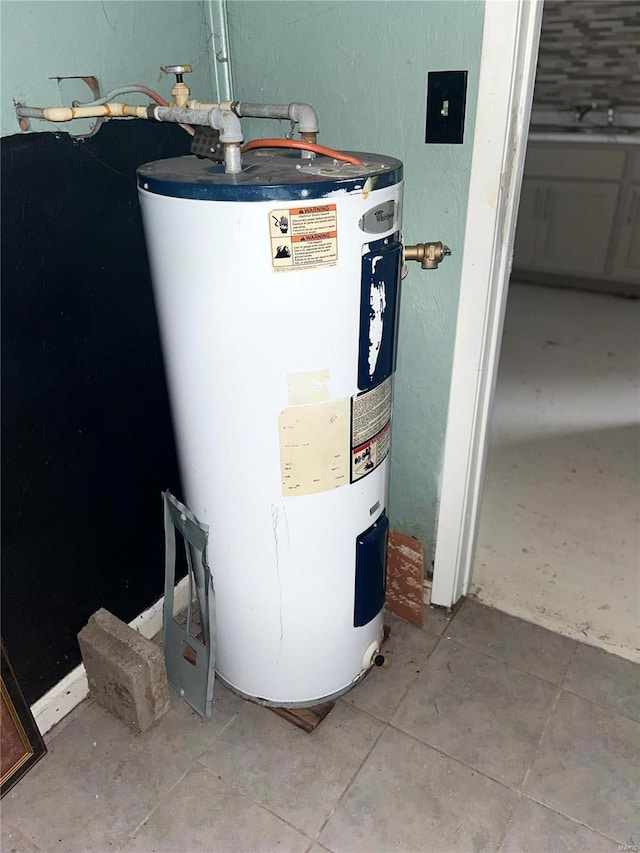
(446, 106)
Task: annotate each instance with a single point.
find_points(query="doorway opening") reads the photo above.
(558, 539)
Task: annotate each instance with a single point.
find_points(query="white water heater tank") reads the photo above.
(277, 294)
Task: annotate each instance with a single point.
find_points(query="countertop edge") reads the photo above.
(586, 138)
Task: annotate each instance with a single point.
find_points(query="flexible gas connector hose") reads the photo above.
(123, 90)
(302, 146)
(136, 87)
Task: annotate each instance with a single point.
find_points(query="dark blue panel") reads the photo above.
(266, 176)
(379, 304)
(371, 566)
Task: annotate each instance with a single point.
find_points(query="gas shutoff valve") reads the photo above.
(180, 90)
(428, 255)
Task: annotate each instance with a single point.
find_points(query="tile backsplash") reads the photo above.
(589, 51)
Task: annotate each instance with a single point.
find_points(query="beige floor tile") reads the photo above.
(478, 710)
(98, 780)
(298, 776)
(408, 798)
(606, 680)
(534, 829)
(202, 813)
(588, 768)
(523, 645)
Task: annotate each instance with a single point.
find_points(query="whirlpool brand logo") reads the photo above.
(379, 219)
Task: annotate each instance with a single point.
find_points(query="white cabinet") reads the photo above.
(565, 226)
(576, 226)
(626, 258)
(579, 216)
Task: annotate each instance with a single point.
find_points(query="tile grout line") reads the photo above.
(390, 725)
(541, 738)
(533, 758)
(386, 724)
(416, 676)
(351, 780)
(17, 829)
(573, 820)
(606, 708)
(544, 731)
(456, 760)
(584, 698)
(507, 663)
(194, 762)
(509, 819)
(566, 672)
(159, 802)
(260, 805)
(423, 630)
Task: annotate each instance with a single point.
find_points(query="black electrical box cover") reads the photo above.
(446, 105)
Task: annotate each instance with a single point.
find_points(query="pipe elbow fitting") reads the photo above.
(305, 116)
(227, 123)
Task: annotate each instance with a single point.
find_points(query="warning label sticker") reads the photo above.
(370, 429)
(368, 456)
(304, 237)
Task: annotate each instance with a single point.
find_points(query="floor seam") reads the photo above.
(509, 819)
(584, 698)
(159, 802)
(456, 760)
(541, 738)
(607, 708)
(196, 758)
(16, 828)
(350, 782)
(573, 819)
(404, 695)
(416, 676)
(566, 672)
(265, 808)
(506, 663)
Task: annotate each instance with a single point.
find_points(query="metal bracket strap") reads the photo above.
(189, 654)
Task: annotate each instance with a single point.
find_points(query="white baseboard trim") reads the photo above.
(73, 688)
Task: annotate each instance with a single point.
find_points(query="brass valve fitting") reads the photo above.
(428, 255)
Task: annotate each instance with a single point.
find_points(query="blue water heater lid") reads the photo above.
(267, 174)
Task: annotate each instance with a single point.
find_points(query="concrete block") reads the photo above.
(126, 672)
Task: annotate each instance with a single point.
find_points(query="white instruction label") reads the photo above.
(304, 237)
(314, 447)
(370, 429)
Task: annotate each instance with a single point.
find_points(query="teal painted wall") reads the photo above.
(119, 42)
(364, 68)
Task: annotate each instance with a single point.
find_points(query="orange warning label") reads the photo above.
(304, 237)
